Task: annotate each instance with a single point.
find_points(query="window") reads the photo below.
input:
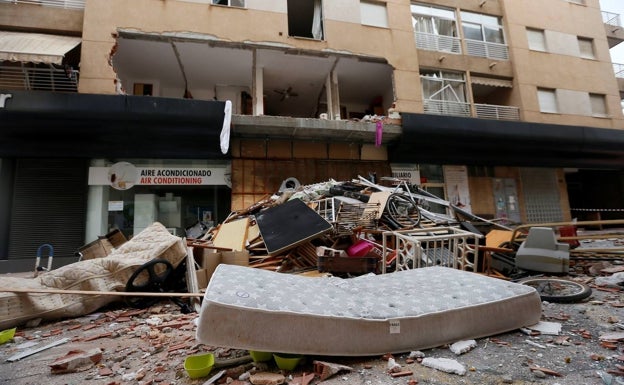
(230, 3)
(577, 1)
(537, 39)
(374, 14)
(435, 28)
(484, 36)
(305, 18)
(143, 89)
(586, 47)
(598, 105)
(444, 93)
(547, 100)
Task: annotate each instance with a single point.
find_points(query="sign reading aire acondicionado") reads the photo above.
(124, 175)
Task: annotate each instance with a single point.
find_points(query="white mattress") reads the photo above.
(254, 309)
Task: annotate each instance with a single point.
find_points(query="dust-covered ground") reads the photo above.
(149, 347)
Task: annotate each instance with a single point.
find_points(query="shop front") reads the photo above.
(186, 196)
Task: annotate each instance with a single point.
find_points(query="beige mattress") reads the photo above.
(100, 274)
(254, 309)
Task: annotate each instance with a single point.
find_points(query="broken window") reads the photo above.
(444, 93)
(230, 3)
(484, 36)
(305, 18)
(435, 28)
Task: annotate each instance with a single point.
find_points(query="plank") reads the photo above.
(232, 235)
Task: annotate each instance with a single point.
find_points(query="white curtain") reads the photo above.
(317, 22)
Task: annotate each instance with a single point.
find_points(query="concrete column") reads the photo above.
(335, 105)
(97, 208)
(257, 88)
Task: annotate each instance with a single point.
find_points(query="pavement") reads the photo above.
(120, 345)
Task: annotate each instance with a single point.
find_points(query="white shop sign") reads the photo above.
(124, 175)
(411, 175)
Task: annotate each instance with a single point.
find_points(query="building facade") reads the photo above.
(114, 114)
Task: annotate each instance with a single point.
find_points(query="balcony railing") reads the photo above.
(38, 79)
(486, 49)
(443, 43)
(433, 42)
(482, 111)
(441, 107)
(619, 70)
(611, 19)
(490, 111)
(67, 4)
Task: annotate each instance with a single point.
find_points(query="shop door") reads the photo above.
(541, 195)
(506, 200)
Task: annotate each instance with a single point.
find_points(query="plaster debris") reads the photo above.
(445, 365)
(461, 347)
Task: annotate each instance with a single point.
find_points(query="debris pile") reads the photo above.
(303, 228)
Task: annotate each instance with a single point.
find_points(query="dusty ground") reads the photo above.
(149, 346)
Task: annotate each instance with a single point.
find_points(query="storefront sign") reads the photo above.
(411, 175)
(124, 175)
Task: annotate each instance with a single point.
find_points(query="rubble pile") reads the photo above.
(339, 219)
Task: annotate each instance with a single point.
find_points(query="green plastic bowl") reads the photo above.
(287, 361)
(7, 335)
(260, 356)
(199, 365)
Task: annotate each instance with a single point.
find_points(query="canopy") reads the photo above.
(35, 47)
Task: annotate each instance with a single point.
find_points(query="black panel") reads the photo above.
(455, 140)
(290, 224)
(47, 124)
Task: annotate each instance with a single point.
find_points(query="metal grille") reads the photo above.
(436, 246)
(433, 42)
(486, 49)
(42, 79)
(442, 107)
(541, 195)
(49, 206)
(490, 111)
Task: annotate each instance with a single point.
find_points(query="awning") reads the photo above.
(492, 82)
(35, 47)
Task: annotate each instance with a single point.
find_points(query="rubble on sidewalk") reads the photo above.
(148, 346)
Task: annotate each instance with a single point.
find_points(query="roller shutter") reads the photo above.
(49, 206)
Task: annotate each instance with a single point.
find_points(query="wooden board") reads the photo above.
(232, 235)
(377, 197)
(290, 224)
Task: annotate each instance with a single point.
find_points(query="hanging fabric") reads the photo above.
(317, 21)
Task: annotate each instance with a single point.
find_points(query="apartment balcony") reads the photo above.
(613, 28)
(619, 76)
(18, 78)
(481, 111)
(450, 44)
(65, 4)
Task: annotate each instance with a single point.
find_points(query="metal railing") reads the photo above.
(619, 70)
(38, 79)
(67, 4)
(433, 42)
(487, 49)
(441, 107)
(491, 111)
(611, 19)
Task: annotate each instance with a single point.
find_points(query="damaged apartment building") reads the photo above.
(116, 114)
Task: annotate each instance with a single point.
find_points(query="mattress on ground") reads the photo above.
(254, 309)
